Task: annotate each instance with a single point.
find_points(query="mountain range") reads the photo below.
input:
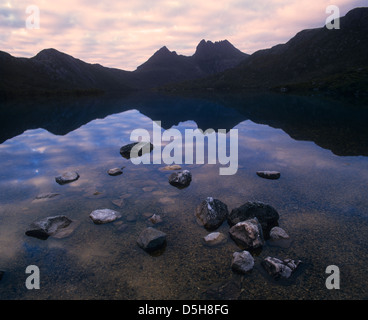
(317, 59)
(52, 71)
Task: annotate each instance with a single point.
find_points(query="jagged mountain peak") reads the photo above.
(209, 43)
(164, 52)
(224, 48)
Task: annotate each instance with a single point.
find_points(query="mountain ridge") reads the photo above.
(314, 59)
(52, 71)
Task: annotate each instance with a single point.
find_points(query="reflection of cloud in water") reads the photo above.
(277, 147)
(31, 161)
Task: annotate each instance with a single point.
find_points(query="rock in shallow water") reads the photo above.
(118, 202)
(280, 268)
(180, 179)
(267, 215)
(214, 238)
(67, 177)
(49, 226)
(136, 149)
(248, 234)
(273, 175)
(155, 219)
(242, 262)
(114, 171)
(211, 213)
(46, 196)
(102, 216)
(278, 233)
(151, 239)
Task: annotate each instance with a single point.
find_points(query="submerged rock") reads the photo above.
(102, 216)
(280, 268)
(46, 196)
(214, 238)
(118, 202)
(155, 219)
(180, 179)
(114, 171)
(131, 217)
(49, 226)
(267, 216)
(123, 227)
(67, 177)
(148, 189)
(172, 167)
(273, 175)
(128, 152)
(211, 213)
(278, 233)
(151, 239)
(242, 262)
(247, 234)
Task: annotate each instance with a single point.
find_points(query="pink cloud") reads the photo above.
(124, 34)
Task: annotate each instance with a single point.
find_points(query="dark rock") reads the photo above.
(267, 216)
(1, 274)
(247, 234)
(180, 179)
(273, 175)
(280, 268)
(142, 148)
(211, 213)
(242, 262)
(102, 216)
(49, 226)
(151, 239)
(67, 177)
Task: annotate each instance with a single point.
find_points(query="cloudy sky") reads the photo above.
(124, 34)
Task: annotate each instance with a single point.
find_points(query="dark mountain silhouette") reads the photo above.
(167, 66)
(51, 71)
(313, 59)
(216, 57)
(319, 59)
(164, 67)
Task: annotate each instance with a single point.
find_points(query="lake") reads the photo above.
(319, 145)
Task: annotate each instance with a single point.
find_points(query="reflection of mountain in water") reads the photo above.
(337, 126)
(334, 125)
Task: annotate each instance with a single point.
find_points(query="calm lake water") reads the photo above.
(319, 145)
